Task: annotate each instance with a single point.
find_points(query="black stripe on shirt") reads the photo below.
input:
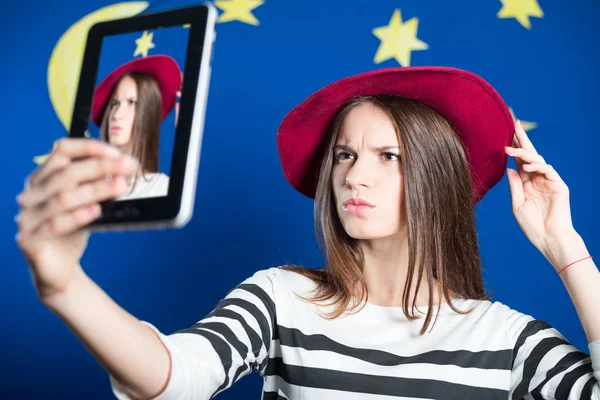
(568, 381)
(561, 366)
(253, 310)
(532, 361)
(273, 396)
(270, 306)
(486, 359)
(586, 393)
(380, 385)
(266, 300)
(535, 393)
(222, 349)
(530, 329)
(255, 340)
(223, 330)
(243, 369)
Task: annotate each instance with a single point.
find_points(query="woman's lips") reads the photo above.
(353, 209)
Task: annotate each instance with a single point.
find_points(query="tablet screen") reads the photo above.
(135, 103)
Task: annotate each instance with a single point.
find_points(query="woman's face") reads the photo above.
(366, 166)
(122, 112)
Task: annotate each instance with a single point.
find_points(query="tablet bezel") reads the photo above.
(174, 209)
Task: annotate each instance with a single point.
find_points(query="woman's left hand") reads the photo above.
(540, 198)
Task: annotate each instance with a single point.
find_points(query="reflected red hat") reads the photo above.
(163, 68)
(469, 103)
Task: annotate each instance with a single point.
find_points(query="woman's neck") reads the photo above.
(385, 271)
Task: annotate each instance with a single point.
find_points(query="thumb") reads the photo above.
(516, 188)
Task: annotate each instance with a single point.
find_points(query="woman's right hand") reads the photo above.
(61, 197)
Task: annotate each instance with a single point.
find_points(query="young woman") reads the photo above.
(396, 160)
(129, 106)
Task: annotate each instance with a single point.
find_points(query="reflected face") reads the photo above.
(367, 167)
(121, 110)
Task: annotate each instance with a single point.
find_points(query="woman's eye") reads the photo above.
(114, 103)
(132, 102)
(391, 156)
(342, 156)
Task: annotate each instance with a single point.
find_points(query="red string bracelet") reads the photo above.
(573, 263)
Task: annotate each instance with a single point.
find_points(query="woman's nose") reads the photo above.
(358, 177)
(117, 112)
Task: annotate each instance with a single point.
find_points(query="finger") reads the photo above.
(54, 163)
(77, 173)
(523, 174)
(516, 188)
(525, 155)
(70, 148)
(70, 201)
(86, 147)
(523, 138)
(546, 169)
(515, 140)
(69, 222)
(515, 144)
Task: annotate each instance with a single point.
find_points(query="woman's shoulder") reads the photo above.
(287, 277)
(515, 323)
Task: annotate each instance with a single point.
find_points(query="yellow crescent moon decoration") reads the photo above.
(65, 62)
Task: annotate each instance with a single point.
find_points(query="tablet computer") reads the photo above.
(143, 88)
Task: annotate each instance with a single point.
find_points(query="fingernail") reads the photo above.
(17, 237)
(19, 198)
(17, 217)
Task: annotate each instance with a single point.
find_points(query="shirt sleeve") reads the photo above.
(546, 366)
(229, 343)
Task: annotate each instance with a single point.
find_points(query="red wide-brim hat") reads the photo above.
(163, 68)
(470, 104)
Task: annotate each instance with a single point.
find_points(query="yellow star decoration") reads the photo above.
(144, 43)
(39, 160)
(238, 10)
(521, 10)
(398, 40)
(527, 126)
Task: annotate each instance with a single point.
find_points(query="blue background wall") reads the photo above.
(548, 75)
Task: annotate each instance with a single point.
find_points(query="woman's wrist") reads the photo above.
(58, 301)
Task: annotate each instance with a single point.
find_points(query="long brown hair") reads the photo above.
(145, 134)
(439, 208)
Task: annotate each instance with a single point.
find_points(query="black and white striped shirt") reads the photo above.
(493, 352)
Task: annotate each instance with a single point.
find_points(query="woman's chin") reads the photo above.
(362, 234)
(363, 230)
(117, 142)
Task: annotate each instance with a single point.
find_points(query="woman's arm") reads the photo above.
(582, 280)
(545, 364)
(128, 350)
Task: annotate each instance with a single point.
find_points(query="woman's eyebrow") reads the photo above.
(383, 148)
(379, 148)
(115, 97)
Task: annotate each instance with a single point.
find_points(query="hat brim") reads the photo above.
(471, 105)
(163, 68)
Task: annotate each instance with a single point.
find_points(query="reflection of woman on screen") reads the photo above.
(129, 107)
